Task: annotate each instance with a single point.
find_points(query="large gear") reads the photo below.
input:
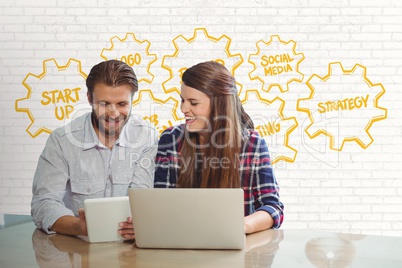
(343, 105)
(134, 52)
(52, 96)
(276, 63)
(272, 124)
(198, 48)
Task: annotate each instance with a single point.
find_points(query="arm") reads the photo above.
(49, 187)
(269, 209)
(71, 225)
(258, 221)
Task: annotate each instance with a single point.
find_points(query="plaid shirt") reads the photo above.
(261, 190)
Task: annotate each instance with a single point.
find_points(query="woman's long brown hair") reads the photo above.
(216, 165)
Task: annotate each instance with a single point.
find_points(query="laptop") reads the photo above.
(103, 216)
(188, 218)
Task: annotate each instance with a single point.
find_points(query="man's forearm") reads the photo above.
(70, 225)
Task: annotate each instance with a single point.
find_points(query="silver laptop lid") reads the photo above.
(188, 218)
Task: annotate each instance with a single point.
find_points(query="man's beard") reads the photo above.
(111, 131)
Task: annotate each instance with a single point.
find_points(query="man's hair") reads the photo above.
(112, 73)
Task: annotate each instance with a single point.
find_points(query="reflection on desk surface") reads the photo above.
(54, 250)
(24, 246)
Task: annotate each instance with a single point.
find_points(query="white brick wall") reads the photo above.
(356, 190)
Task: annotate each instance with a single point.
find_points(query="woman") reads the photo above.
(218, 148)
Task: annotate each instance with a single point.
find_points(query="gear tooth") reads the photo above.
(304, 104)
(30, 78)
(336, 143)
(366, 139)
(336, 69)
(293, 44)
(274, 38)
(50, 65)
(316, 126)
(131, 35)
(198, 31)
(104, 54)
(259, 45)
(179, 42)
(73, 65)
(33, 129)
(114, 40)
(286, 152)
(359, 71)
(315, 79)
(376, 89)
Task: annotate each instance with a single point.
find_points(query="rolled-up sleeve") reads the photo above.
(265, 187)
(49, 186)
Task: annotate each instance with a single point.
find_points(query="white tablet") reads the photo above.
(103, 216)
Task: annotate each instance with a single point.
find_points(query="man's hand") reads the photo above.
(71, 225)
(127, 230)
(82, 225)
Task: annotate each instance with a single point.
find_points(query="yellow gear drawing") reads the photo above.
(273, 126)
(276, 63)
(49, 89)
(134, 52)
(343, 105)
(160, 113)
(198, 48)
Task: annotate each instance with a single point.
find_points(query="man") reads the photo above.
(99, 154)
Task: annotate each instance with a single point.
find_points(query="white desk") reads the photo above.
(24, 246)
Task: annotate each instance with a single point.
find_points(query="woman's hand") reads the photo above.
(126, 229)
